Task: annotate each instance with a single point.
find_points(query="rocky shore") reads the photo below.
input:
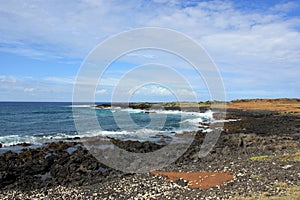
(261, 150)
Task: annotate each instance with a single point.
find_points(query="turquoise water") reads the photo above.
(37, 123)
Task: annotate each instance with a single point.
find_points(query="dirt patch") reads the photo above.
(203, 180)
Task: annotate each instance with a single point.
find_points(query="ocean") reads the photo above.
(41, 122)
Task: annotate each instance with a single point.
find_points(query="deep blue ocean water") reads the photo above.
(40, 122)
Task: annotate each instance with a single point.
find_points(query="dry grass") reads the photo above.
(278, 105)
(293, 156)
(259, 158)
(283, 105)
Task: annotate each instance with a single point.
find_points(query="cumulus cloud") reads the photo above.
(153, 90)
(156, 90)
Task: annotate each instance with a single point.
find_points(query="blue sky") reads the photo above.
(254, 44)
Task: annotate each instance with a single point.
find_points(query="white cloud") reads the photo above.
(186, 93)
(8, 79)
(156, 90)
(152, 90)
(60, 80)
(150, 56)
(251, 44)
(29, 89)
(101, 91)
(44, 29)
(285, 7)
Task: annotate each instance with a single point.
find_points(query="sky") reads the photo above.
(254, 45)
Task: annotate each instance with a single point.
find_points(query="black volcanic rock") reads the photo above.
(136, 146)
(70, 164)
(49, 165)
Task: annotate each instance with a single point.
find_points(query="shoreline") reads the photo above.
(280, 105)
(258, 141)
(194, 125)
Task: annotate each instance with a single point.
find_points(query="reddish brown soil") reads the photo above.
(203, 180)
